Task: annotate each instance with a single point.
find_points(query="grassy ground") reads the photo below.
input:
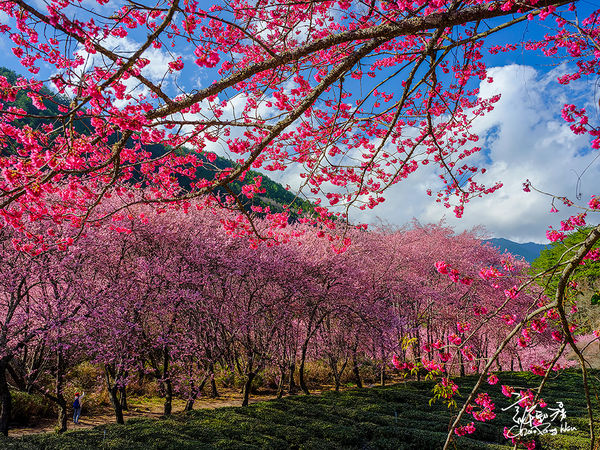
(394, 417)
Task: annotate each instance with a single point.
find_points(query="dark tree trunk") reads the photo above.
(214, 393)
(5, 398)
(355, 370)
(417, 351)
(123, 398)
(123, 395)
(60, 398)
(337, 371)
(62, 415)
(168, 397)
(303, 385)
(247, 387)
(167, 385)
(382, 374)
(292, 386)
(333, 363)
(429, 339)
(113, 394)
(114, 400)
(189, 405)
(194, 392)
(337, 380)
(281, 386)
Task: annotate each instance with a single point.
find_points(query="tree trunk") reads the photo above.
(355, 370)
(303, 385)
(114, 400)
(333, 363)
(337, 371)
(5, 398)
(62, 416)
(247, 387)
(292, 386)
(167, 385)
(213, 384)
(417, 352)
(338, 382)
(123, 398)
(168, 406)
(60, 398)
(429, 339)
(382, 375)
(281, 386)
(189, 404)
(194, 392)
(113, 395)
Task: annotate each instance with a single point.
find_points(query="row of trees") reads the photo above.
(175, 297)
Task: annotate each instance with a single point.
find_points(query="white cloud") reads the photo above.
(4, 18)
(5, 44)
(524, 137)
(157, 71)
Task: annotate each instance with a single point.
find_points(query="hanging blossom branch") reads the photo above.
(259, 54)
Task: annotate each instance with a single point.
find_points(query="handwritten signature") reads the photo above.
(532, 420)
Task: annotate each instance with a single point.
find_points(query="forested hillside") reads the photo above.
(587, 274)
(274, 195)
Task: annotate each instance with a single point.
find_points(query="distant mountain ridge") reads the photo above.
(529, 251)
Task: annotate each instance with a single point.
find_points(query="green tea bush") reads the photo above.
(391, 417)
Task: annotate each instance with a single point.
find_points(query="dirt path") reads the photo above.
(137, 408)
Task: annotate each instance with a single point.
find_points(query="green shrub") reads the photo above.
(227, 379)
(26, 408)
(85, 377)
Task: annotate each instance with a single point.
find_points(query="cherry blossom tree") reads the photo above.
(40, 305)
(59, 298)
(355, 96)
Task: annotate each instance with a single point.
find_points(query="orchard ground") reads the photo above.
(139, 407)
(395, 416)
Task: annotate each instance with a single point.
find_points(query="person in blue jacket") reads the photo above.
(77, 407)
